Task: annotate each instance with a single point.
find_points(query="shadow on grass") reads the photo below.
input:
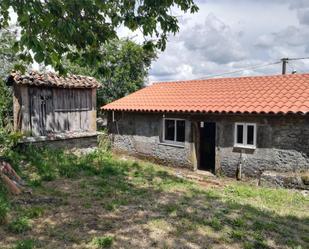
(143, 206)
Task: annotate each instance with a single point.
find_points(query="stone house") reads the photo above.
(51, 107)
(216, 124)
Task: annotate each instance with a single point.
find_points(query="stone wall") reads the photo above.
(282, 141)
(68, 143)
(282, 145)
(141, 134)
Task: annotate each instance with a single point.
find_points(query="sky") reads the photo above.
(227, 35)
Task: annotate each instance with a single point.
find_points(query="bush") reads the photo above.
(6, 105)
(8, 140)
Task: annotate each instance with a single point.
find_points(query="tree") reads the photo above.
(123, 70)
(8, 60)
(51, 28)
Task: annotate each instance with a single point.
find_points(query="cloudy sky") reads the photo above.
(230, 35)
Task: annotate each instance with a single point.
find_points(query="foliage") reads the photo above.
(25, 244)
(103, 242)
(8, 57)
(19, 225)
(4, 205)
(8, 61)
(104, 142)
(34, 212)
(123, 69)
(8, 140)
(51, 28)
(6, 105)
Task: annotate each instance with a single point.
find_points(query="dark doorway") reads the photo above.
(207, 146)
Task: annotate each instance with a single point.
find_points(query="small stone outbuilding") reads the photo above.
(51, 106)
(216, 124)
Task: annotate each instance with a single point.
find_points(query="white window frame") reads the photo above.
(245, 134)
(175, 135)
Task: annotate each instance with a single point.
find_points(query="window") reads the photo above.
(174, 130)
(245, 135)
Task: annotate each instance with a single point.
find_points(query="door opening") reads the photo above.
(207, 146)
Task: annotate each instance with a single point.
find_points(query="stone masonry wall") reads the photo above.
(282, 145)
(140, 134)
(282, 141)
(69, 143)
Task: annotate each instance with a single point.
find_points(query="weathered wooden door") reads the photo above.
(41, 110)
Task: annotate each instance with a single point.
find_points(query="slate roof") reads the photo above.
(279, 94)
(53, 80)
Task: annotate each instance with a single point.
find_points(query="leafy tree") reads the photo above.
(51, 28)
(8, 59)
(123, 70)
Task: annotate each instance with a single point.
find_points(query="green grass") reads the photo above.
(25, 244)
(19, 225)
(160, 202)
(103, 242)
(4, 206)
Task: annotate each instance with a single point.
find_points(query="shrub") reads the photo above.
(6, 104)
(8, 140)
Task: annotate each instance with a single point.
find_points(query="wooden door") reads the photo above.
(41, 111)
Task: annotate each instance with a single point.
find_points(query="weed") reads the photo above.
(19, 225)
(238, 222)
(171, 208)
(25, 244)
(103, 242)
(237, 234)
(215, 223)
(34, 212)
(4, 208)
(87, 205)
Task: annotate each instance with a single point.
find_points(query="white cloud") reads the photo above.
(227, 35)
(214, 41)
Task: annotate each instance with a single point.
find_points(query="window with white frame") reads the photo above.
(174, 130)
(245, 135)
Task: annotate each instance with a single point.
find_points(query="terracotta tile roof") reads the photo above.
(262, 94)
(53, 80)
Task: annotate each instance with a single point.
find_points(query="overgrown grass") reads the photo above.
(4, 203)
(249, 216)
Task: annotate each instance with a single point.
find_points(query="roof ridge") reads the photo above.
(50, 73)
(231, 78)
(53, 79)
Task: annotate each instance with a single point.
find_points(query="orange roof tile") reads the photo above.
(261, 94)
